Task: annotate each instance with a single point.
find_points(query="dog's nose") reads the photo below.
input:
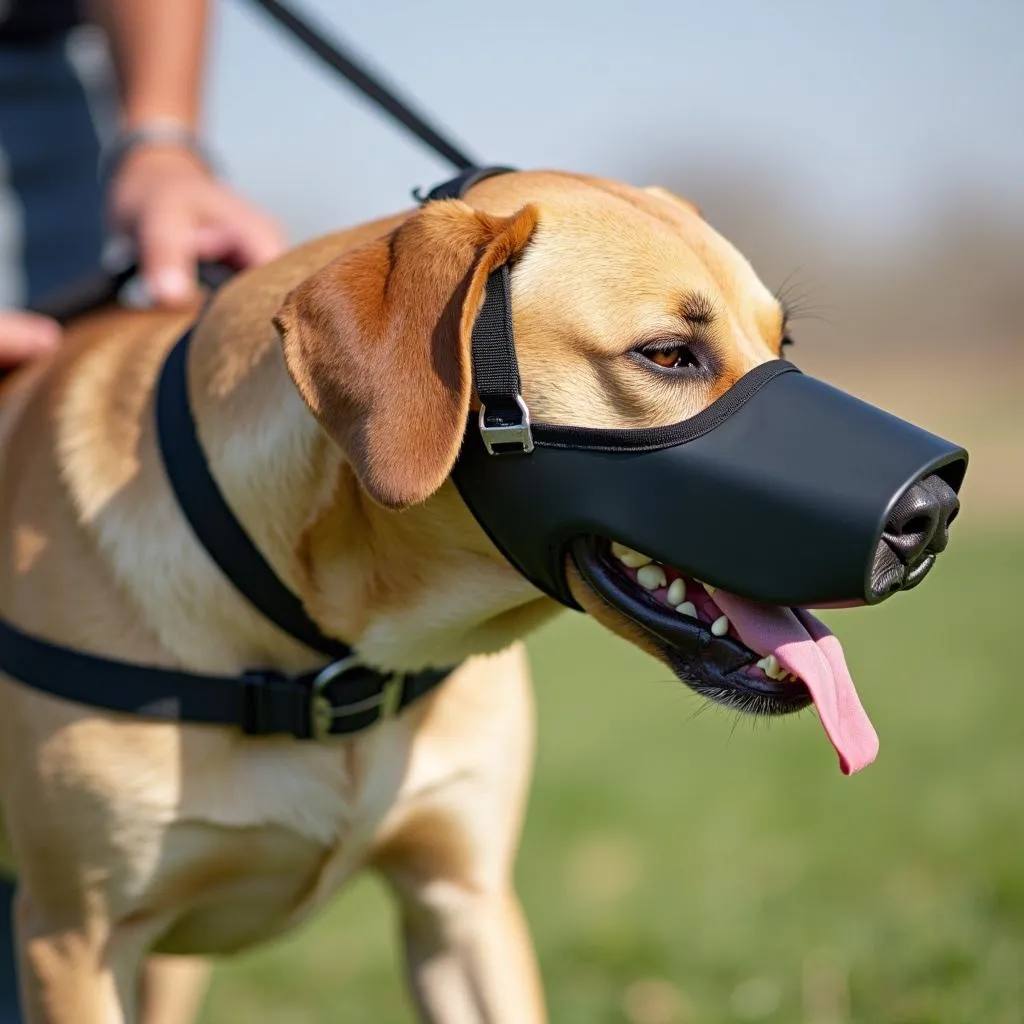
(916, 531)
(918, 524)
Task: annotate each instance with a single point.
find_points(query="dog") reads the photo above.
(331, 389)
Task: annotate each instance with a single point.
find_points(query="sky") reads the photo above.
(869, 110)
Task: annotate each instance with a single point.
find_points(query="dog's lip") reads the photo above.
(710, 665)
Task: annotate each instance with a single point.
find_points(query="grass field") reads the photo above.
(679, 868)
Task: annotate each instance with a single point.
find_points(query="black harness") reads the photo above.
(345, 696)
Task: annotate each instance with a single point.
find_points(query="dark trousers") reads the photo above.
(52, 96)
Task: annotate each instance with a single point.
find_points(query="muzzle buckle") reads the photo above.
(503, 438)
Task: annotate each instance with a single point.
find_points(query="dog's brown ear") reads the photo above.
(378, 343)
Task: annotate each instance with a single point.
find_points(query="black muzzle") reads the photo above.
(785, 490)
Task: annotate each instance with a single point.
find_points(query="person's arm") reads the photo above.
(162, 192)
(159, 49)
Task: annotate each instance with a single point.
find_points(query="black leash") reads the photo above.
(369, 84)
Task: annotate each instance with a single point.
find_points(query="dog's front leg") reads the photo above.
(449, 858)
(75, 971)
(173, 988)
(469, 957)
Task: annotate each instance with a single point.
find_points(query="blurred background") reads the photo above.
(677, 866)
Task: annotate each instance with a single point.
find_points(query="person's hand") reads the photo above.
(179, 214)
(25, 336)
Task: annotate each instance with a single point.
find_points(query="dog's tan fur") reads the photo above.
(130, 835)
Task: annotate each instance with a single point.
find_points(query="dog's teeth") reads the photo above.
(630, 558)
(720, 626)
(635, 560)
(687, 608)
(772, 669)
(710, 589)
(763, 665)
(676, 593)
(651, 577)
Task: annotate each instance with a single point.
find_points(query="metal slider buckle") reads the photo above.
(499, 437)
(322, 713)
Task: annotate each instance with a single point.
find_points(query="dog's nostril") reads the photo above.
(911, 525)
(948, 509)
(918, 525)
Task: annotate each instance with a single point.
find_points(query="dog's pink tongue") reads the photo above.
(806, 647)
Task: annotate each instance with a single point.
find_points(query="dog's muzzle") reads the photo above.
(785, 490)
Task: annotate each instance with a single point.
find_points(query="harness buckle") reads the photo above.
(322, 713)
(507, 438)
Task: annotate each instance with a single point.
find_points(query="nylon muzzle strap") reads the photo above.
(504, 418)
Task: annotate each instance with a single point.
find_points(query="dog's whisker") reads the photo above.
(795, 295)
(737, 718)
(704, 705)
(788, 282)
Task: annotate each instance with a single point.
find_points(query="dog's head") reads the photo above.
(630, 311)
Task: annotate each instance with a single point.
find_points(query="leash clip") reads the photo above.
(507, 438)
(322, 713)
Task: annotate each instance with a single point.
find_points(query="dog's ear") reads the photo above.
(378, 343)
(670, 197)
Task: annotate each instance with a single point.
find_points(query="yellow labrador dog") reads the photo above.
(331, 390)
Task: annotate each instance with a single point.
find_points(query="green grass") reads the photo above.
(680, 869)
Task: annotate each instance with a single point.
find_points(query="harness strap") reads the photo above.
(336, 701)
(208, 513)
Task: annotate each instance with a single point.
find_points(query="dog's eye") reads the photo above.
(672, 357)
